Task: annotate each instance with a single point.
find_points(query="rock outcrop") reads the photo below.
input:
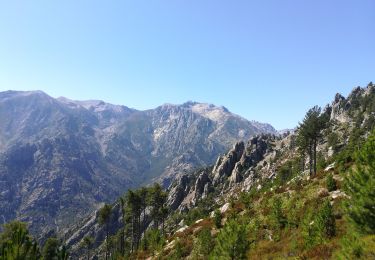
(254, 153)
(227, 163)
(178, 192)
(237, 166)
(202, 187)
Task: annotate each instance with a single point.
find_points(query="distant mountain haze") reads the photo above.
(59, 158)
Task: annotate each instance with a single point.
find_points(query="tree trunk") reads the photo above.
(310, 157)
(144, 221)
(315, 144)
(132, 243)
(107, 235)
(122, 241)
(303, 161)
(139, 230)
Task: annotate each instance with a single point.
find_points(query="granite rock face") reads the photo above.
(178, 192)
(237, 166)
(226, 164)
(341, 109)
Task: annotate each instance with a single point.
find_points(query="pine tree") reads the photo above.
(157, 200)
(87, 244)
(143, 194)
(104, 219)
(309, 232)
(309, 133)
(232, 242)
(155, 240)
(51, 249)
(203, 244)
(16, 243)
(134, 206)
(217, 218)
(122, 233)
(62, 253)
(331, 183)
(303, 147)
(164, 211)
(326, 221)
(359, 185)
(277, 213)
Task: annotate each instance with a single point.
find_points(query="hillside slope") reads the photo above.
(265, 186)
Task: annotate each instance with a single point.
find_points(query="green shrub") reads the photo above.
(16, 243)
(203, 244)
(277, 213)
(232, 242)
(359, 185)
(325, 220)
(217, 218)
(330, 183)
(318, 225)
(333, 140)
(351, 246)
(321, 162)
(153, 240)
(246, 198)
(309, 231)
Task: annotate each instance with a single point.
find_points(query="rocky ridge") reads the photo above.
(247, 165)
(251, 164)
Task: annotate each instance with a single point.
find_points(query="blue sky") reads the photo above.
(265, 60)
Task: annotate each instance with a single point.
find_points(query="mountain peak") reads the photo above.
(14, 93)
(215, 113)
(94, 105)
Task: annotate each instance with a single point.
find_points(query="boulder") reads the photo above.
(323, 192)
(330, 167)
(225, 208)
(338, 194)
(183, 229)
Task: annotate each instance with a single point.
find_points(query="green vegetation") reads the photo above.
(53, 250)
(16, 243)
(201, 210)
(217, 218)
(203, 244)
(360, 186)
(153, 241)
(277, 216)
(104, 218)
(327, 215)
(331, 183)
(232, 242)
(309, 133)
(87, 243)
(289, 217)
(134, 238)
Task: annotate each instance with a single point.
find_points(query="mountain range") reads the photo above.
(266, 184)
(61, 159)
